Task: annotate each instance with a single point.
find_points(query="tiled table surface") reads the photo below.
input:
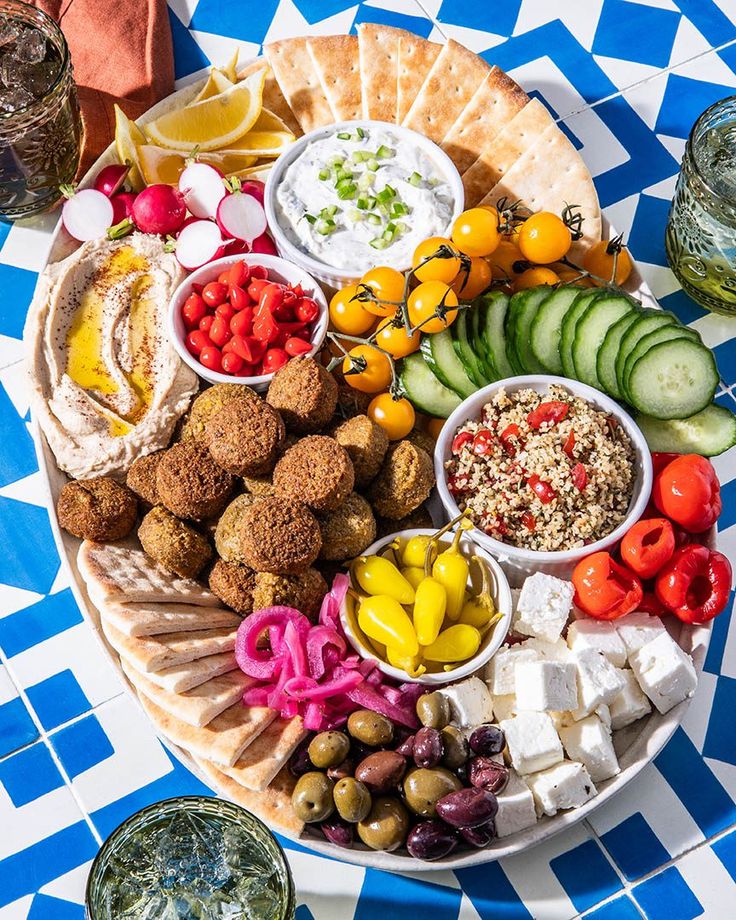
(627, 78)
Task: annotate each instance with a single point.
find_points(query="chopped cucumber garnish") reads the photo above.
(325, 227)
(374, 219)
(347, 191)
(343, 135)
(324, 174)
(379, 243)
(310, 218)
(361, 133)
(414, 179)
(372, 164)
(384, 151)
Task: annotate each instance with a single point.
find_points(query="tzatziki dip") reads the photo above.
(363, 196)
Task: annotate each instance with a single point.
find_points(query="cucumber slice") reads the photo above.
(673, 379)
(525, 310)
(424, 390)
(649, 320)
(492, 331)
(439, 353)
(510, 329)
(569, 323)
(709, 432)
(663, 334)
(605, 365)
(590, 331)
(475, 323)
(464, 350)
(545, 330)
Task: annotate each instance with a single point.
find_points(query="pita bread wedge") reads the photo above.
(123, 572)
(549, 176)
(273, 98)
(196, 707)
(223, 740)
(335, 58)
(492, 106)
(455, 76)
(520, 133)
(153, 653)
(261, 761)
(154, 619)
(272, 805)
(379, 70)
(416, 57)
(299, 82)
(192, 674)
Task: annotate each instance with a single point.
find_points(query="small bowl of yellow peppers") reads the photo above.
(429, 606)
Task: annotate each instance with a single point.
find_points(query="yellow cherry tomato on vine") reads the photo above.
(386, 283)
(503, 259)
(395, 416)
(434, 427)
(475, 232)
(544, 237)
(534, 276)
(599, 261)
(395, 339)
(477, 280)
(436, 269)
(376, 375)
(424, 301)
(349, 316)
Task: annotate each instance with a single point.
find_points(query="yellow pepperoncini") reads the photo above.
(414, 575)
(412, 664)
(416, 549)
(429, 609)
(480, 611)
(384, 619)
(456, 643)
(377, 575)
(451, 570)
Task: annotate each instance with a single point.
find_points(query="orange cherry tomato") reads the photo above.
(475, 232)
(534, 276)
(434, 427)
(599, 261)
(424, 301)
(503, 259)
(395, 339)
(544, 237)
(386, 283)
(374, 377)
(347, 315)
(395, 416)
(475, 282)
(436, 269)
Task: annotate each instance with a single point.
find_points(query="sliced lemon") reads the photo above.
(231, 68)
(268, 137)
(127, 137)
(216, 83)
(160, 164)
(214, 122)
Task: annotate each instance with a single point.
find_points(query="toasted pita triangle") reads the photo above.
(299, 81)
(184, 677)
(335, 58)
(154, 619)
(154, 653)
(273, 98)
(379, 70)
(261, 761)
(416, 57)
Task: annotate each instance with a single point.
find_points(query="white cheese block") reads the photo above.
(566, 785)
(532, 741)
(544, 606)
(604, 714)
(598, 681)
(638, 628)
(505, 706)
(502, 668)
(631, 703)
(589, 741)
(600, 635)
(552, 651)
(515, 592)
(665, 673)
(516, 809)
(546, 685)
(470, 703)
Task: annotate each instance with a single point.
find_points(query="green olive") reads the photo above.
(352, 799)
(433, 710)
(371, 728)
(312, 797)
(423, 788)
(386, 825)
(328, 749)
(456, 747)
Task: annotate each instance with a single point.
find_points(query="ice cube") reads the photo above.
(8, 30)
(15, 99)
(30, 46)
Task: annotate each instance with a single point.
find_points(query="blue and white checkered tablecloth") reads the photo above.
(626, 79)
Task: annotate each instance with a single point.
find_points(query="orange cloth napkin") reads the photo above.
(122, 52)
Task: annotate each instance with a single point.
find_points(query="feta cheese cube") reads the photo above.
(505, 706)
(566, 785)
(638, 628)
(600, 635)
(665, 673)
(470, 702)
(546, 685)
(631, 704)
(561, 718)
(502, 667)
(598, 681)
(544, 606)
(589, 741)
(604, 714)
(515, 807)
(532, 741)
(553, 651)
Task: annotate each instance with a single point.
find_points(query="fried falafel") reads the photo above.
(173, 544)
(233, 583)
(366, 444)
(229, 528)
(141, 477)
(347, 530)
(420, 517)
(208, 403)
(317, 471)
(303, 592)
(189, 482)
(404, 482)
(305, 394)
(97, 509)
(423, 439)
(279, 536)
(245, 437)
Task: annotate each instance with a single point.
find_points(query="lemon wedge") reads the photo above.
(268, 137)
(216, 83)
(127, 137)
(214, 122)
(160, 164)
(230, 70)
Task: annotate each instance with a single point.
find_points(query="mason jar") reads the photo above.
(701, 230)
(40, 125)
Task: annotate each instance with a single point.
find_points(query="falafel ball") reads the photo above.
(316, 471)
(405, 481)
(245, 437)
(98, 509)
(304, 591)
(420, 438)
(420, 517)
(352, 402)
(305, 394)
(173, 544)
(280, 536)
(347, 530)
(233, 583)
(190, 483)
(366, 444)
(258, 485)
(208, 403)
(230, 528)
(141, 477)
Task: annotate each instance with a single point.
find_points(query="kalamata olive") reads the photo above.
(371, 728)
(431, 840)
(328, 749)
(485, 773)
(456, 747)
(381, 771)
(352, 799)
(386, 825)
(433, 710)
(299, 762)
(469, 807)
(346, 768)
(406, 748)
(479, 836)
(312, 797)
(338, 832)
(423, 788)
(487, 740)
(428, 747)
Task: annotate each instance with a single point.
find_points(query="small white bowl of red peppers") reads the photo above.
(665, 562)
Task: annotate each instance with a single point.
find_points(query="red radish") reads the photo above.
(255, 188)
(111, 179)
(241, 217)
(87, 214)
(199, 243)
(202, 188)
(122, 206)
(159, 209)
(237, 248)
(264, 244)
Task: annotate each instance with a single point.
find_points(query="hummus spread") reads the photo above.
(107, 386)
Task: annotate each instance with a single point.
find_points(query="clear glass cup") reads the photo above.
(192, 856)
(40, 125)
(701, 230)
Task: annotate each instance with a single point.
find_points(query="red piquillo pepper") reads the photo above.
(604, 589)
(687, 491)
(647, 546)
(550, 412)
(695, 583)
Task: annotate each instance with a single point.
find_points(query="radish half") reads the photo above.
(202, 188)
(241, 217)
(87, 214)
(264, 244)
(198, 243)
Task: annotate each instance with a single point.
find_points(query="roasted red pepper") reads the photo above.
(651, 604)
(688, 492)
(604, 589)
(550, 412)
(660, 460)
(695, 583)
(543, 490)
(647, 546)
